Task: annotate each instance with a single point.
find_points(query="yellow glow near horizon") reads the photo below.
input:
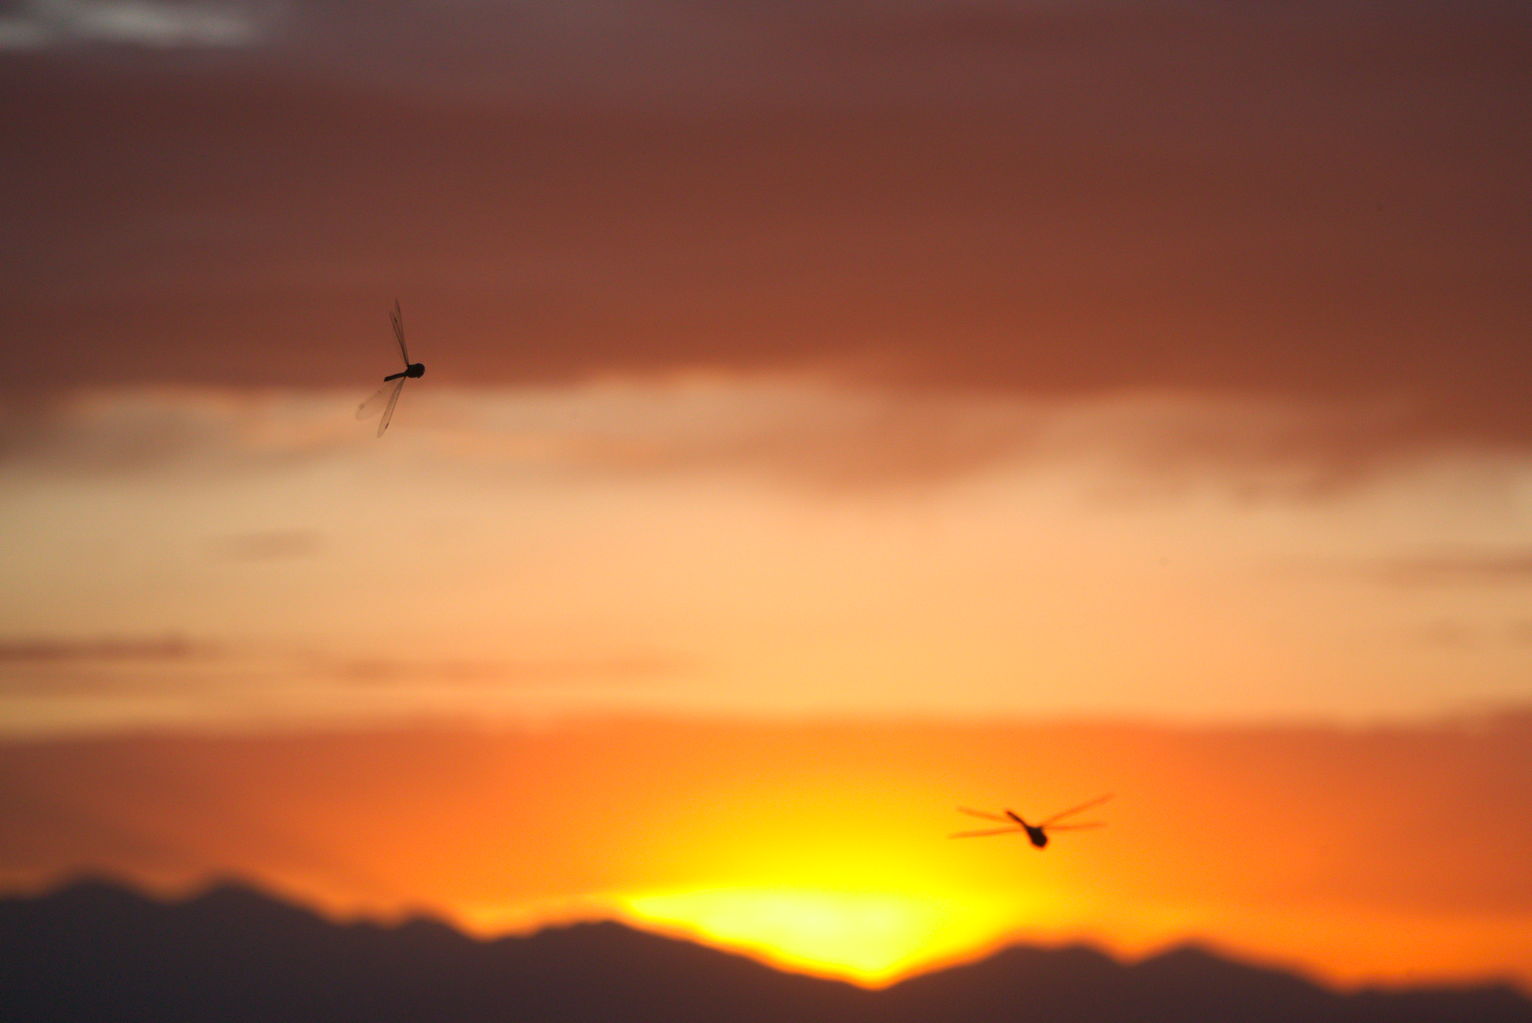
(869, 938)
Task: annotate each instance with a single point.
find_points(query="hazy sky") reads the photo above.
(802, 369)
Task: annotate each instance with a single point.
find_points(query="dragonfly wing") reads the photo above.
(388, 411)
(1078, 827)
(1075, 809)
(981, 813)
(379, 400)
(397, 318)
(985, 832)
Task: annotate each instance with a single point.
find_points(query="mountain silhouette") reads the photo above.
(98, 952)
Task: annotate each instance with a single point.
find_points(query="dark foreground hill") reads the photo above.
(96, 953)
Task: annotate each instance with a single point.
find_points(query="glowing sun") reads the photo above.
(871, 938)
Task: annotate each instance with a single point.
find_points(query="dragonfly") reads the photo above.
(387, 396)
(1037, 833)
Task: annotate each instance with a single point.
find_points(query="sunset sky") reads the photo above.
(835, 413)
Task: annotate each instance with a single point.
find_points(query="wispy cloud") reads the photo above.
(796, 430)
(24, 651)
(1458, 567)
(88, 684)
(268, 545)
(157, 24)
(69, 668)
(565, 671)
(123, 432)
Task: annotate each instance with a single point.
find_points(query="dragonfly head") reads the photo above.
(415, 369)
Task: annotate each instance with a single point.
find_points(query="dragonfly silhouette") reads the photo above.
(388, 395)
(1037, 833)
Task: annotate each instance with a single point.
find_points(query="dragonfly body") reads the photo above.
(1037, 834)
(414, 371)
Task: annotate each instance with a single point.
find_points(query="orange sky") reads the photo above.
(1358, 853)
(824, 403)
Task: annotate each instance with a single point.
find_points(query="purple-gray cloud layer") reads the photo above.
(1314, 200)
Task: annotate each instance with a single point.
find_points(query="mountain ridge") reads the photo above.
(99, 950)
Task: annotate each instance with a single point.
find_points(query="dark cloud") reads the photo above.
(1310, 203)
(1459, 568)
(72, 667)
(539, 672)
(208, 675)
(269, 545)
(63, 651)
